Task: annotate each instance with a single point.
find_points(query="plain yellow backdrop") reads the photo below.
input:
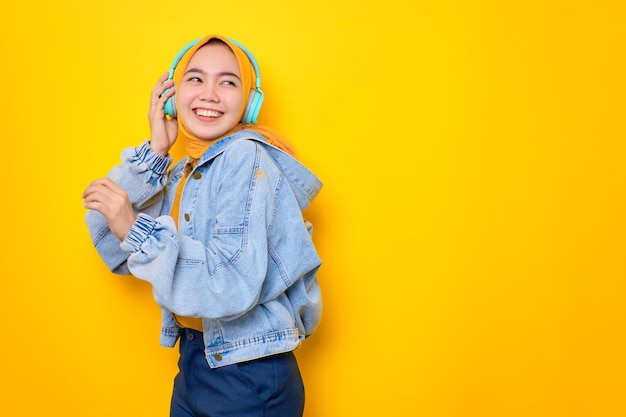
(471, 224)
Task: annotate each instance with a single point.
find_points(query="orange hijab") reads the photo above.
(195, 146)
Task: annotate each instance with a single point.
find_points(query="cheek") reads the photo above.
(239, 106)
(235, 101)
(182, 95)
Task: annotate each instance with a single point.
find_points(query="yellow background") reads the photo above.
(471, 225)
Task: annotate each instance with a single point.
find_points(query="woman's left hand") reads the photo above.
(109, 199)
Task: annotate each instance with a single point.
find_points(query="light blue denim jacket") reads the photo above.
(242, 257)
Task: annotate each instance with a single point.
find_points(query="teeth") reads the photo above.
(207, 113)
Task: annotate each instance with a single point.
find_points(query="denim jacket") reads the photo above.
(242, 258)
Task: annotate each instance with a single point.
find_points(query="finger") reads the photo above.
(90, 188)
(169, 89)
(103, 182)
(100, 195)
(105, 200)
(159, 90)
(162, 79)
(93, 205)
(105, 185)
(101, 204)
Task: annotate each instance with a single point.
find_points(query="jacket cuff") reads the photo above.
(139, 232)
(156, 163)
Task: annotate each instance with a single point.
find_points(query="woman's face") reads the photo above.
(209, 97)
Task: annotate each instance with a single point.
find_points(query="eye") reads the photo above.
(229, 82)
(194, 79)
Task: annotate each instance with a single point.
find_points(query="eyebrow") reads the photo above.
(221, 74)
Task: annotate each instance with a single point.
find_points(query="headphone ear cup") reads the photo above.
(170, 106)
(245, 118)
(253, 107)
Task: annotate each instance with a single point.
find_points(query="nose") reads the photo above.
(209, 92)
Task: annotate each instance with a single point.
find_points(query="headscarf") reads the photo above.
(196, 147)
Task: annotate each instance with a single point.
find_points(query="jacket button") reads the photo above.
(217, 357)
(187, 216)
(197, 175)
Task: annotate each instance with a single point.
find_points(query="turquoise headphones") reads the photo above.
(255, 100)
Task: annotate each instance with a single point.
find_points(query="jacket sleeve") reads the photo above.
(142, 175)
(224, 278)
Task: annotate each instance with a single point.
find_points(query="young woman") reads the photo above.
(220, 236)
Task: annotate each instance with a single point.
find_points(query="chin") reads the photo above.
(208, 135)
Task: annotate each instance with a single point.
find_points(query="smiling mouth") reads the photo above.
(208, 113)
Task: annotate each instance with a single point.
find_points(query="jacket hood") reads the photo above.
(303, 182)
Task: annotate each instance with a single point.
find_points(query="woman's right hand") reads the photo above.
(163, 130)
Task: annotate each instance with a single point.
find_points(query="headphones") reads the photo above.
(255, 99)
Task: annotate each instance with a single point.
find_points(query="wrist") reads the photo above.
(163, 151)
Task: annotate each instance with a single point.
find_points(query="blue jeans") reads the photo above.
(266, 387)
